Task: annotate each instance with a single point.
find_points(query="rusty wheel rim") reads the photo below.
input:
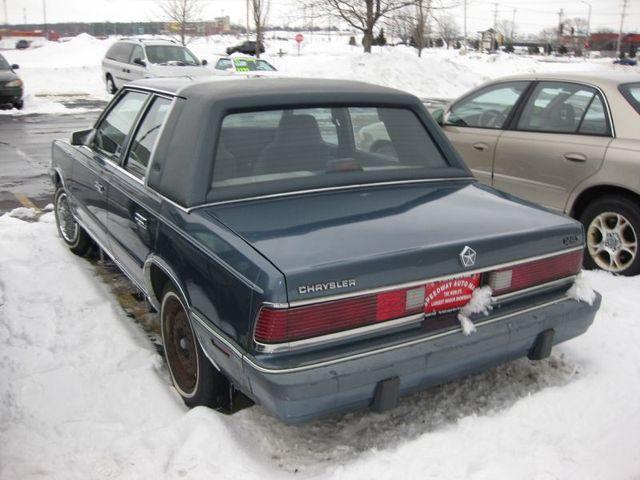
(179, 345)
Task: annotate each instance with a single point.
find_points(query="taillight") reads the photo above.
(538, 272)
(284, 325)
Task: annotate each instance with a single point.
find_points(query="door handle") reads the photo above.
(99, 187)
(140, 220)
(575, 157)
(481, 147)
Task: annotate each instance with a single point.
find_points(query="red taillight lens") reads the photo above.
(534, 273)
(284, 325)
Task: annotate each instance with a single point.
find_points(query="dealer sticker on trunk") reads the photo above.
(449, 295)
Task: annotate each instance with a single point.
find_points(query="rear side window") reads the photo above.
(120, 52)
(631, 92)
(557, 107)
(488, 108)
(112, 132)
(145, 138)
(284, 150)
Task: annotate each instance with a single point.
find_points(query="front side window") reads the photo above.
(145, 138)
(564, 108)
(488, 108)
(136, 53)
(170, 55)
(631, 92)
(110, 135)
(286, 150)
(4, 65)
(223, 64)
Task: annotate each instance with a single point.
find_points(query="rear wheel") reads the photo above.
(193, 375)
(19, 104)
(612, 226)
(111, 86)
(70, 231)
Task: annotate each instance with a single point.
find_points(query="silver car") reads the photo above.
(132, 59)
(570, 142)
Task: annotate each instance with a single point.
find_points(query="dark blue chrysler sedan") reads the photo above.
(291, 263)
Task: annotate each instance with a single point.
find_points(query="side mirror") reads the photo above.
(438, 116)
(81, 137)
(15, 66)
(139, 61)
(204, 62)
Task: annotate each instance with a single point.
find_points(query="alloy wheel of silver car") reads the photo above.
(67, 225)
(612, 241)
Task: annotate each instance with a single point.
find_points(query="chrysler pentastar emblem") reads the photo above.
(468, 257)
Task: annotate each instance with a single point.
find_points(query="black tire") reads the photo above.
(111, 85)
(18, 105)
(78, 241)
(193, 376)
(621, 216)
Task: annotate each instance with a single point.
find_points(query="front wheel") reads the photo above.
(18, 105)
(111, 86)
(192, 374)
(69, 230)
(612, 225)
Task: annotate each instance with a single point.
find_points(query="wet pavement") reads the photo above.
(25, 149)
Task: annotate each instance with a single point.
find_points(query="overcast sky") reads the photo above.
(531, 16)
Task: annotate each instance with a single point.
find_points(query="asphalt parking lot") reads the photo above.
(25, 146)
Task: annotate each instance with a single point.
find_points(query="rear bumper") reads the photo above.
(304, 393)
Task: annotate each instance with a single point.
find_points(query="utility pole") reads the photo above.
(465, 23)
(44, 17)
(247, 35)
(560, 26)
(495, 26)
(588, 42)
(624, 12)
(513, 23)
(6, 17)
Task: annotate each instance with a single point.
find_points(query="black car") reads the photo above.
(247, 48)
(10, 84)
(291, 264)
(22, 44)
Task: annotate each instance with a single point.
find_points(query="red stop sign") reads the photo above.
(299, 38)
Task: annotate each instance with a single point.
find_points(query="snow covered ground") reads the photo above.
(60, 70)
(83, 394)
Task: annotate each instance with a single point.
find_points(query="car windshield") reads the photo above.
(4, 65)
(252, 65)
(631, 92)
(273, 151)
(170, 55)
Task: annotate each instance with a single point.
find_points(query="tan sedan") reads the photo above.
(570, 142)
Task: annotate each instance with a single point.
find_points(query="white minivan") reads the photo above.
(131, 59)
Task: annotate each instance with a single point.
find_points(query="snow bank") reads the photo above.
(74, 67)
(83, 394)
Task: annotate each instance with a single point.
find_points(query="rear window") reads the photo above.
(631, 92)
(275, 151)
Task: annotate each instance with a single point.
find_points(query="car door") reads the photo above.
(474, 124)
(123, 73)
(131, 220)
(559, 139)
(90, 186)
(137, 71)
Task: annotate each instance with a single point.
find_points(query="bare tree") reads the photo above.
(260, 11)
(181, 13)
(507, 29)
(447, 28)
(423, 10)
(362, 15)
